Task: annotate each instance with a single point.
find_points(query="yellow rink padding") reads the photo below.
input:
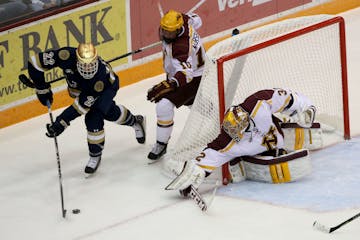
(150, 69)
(32, 109)
(138, 73)
(331, 7)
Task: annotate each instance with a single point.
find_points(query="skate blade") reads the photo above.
(151, 162)
(89, 175)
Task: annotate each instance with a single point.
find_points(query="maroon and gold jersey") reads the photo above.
(184, 58)
(263, 134)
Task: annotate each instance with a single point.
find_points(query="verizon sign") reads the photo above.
(217, 15)
(223, 4)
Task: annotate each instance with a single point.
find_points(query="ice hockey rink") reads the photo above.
(126, 198)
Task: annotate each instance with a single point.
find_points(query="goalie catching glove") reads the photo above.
(159, 90)
(305, 118)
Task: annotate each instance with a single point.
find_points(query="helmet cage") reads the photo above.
(87, 60)
(235, 122)
(87, 70)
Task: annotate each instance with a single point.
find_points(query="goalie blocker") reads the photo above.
(282, 169)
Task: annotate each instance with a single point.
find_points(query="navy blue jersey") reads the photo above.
(65, 58)
(85, 91)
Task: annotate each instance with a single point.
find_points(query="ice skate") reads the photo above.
(158, 151)
(92, 165)
(139, 127)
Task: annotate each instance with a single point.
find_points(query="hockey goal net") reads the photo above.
(305, 54)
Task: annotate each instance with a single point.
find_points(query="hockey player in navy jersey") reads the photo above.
(93, 85)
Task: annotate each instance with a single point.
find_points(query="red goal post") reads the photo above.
(336, 20)
(342, 47)
(306, 54)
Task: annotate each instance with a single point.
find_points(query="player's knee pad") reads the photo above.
(165, 110)
(296, 137)
(113, 113)
(94, 121)
(285, 168)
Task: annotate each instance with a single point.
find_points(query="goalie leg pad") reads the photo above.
(285, 168)
(191, 174)
(236, 170)
(296, 137)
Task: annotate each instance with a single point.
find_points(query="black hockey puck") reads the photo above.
(76, 211)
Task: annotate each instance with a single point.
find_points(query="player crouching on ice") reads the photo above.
(252, 140)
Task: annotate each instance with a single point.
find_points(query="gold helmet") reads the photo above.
(235, 122)
(87, 60)
(172, 21)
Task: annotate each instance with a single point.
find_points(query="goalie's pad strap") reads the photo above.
(295, 125)
(268, 160)
(286, 168)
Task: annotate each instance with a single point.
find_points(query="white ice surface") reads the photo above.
(126, 198)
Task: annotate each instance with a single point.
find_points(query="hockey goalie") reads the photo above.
(264, 138)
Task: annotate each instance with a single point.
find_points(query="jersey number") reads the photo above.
(201, 155)
(90, 101)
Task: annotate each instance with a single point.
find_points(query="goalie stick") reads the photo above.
(200, 200)
(183, 183)
(29, 83)
(194, 194)
(326, 229)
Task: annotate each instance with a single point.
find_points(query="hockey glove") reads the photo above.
(158, 91)
(55, 129)
(44, 95)
(306, 118)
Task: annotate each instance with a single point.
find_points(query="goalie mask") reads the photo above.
(170, 26)
(235, 122)
(87, 60)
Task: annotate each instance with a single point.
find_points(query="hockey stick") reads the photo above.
(326, 229)
(179, 182)
(29, 83)
(196, 6)
(135, 51)
(63, 210)
(161, 11)
(199, 200)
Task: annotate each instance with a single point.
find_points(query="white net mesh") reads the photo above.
(308, 63)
